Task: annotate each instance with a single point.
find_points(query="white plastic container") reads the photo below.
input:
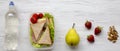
(11, 28)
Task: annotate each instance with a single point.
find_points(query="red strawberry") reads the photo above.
(90, 38)
(97, 30)
(33, 20)
(35, 15)
(88, 24)
(40, 15)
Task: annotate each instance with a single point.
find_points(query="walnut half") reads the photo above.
(112, 34)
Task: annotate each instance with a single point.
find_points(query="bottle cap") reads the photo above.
(11, 3)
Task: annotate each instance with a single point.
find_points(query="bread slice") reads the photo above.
(45, 38)
(37, 28)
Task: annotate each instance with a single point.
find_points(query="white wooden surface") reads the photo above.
(101, 12)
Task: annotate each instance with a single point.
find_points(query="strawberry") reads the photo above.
(33, 20)
(88, 24)
(90, 38)
(97, 30)
(40, 15)
(35, 15)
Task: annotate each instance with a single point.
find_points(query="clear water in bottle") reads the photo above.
(11, 28)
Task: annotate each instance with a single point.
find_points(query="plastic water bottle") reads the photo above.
(11, 28)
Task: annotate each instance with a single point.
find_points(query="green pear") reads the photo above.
(72, 38)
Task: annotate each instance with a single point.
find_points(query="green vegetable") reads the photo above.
(48, 15)
(51, 31)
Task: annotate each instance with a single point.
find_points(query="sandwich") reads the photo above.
(42, 32)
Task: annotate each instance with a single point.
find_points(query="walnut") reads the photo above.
(112, 34)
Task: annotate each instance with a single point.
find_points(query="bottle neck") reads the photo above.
(12, 8)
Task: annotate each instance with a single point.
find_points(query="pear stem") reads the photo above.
(73, 25)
